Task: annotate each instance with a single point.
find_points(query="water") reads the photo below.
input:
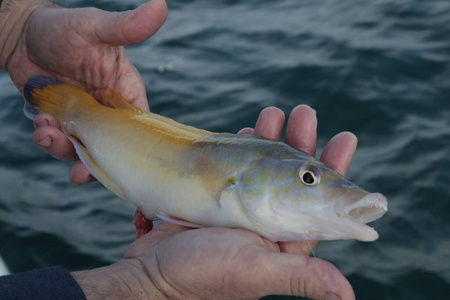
(379, 69)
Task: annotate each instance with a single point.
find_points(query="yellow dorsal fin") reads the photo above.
(114, 99)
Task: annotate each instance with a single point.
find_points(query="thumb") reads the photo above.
(298, 275)
(130, 27)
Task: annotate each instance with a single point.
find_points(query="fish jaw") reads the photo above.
(280, 224)
(342, 222)
(369, 208)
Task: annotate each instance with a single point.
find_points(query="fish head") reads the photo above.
(306, 200)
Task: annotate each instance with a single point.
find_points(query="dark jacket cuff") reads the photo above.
(50, 283)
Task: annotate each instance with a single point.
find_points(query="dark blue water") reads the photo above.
(380, 69)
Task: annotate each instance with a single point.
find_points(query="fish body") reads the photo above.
(198, 178)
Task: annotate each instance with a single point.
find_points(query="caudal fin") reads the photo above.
(50, 95)
(32, 105)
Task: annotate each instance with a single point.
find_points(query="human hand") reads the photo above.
(223, 263)
(83, 46)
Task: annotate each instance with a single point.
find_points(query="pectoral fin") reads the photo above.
(94, 168)
(212, 178)
(178, 221)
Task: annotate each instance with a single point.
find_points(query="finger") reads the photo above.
(297, 247)
(54, 142)
(301, 131)
(298, 275)
(270, 123)
(48, 137)
(44, 119)
(130, 27)
(339, 151)
(80, 174)
(246, 130)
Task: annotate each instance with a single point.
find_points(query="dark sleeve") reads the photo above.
(50, 283)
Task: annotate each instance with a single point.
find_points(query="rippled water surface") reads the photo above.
(377, 68)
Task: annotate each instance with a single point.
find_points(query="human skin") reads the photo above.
(84, 47)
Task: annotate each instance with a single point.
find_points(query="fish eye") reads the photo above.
(310, 176)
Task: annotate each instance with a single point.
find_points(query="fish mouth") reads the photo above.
(367, 209)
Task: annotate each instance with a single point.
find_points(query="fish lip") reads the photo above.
(367, 209)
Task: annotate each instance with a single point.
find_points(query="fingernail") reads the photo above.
(332, 296)
(45, 142)
(41, 122)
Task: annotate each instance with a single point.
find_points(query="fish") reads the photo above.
(197, 178)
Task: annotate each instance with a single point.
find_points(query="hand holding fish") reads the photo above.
(82, 46)
(218, 263)
(179, 263)
(175, 262)
(166, 262)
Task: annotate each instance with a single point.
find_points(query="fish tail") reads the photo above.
(45, 94)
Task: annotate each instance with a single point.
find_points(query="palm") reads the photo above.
(232, 263)
(235, 252)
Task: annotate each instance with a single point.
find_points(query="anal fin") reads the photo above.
(94, 168)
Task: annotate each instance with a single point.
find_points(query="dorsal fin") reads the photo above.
(114, 99)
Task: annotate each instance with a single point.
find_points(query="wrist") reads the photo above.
(14, 15)
(125, 279)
